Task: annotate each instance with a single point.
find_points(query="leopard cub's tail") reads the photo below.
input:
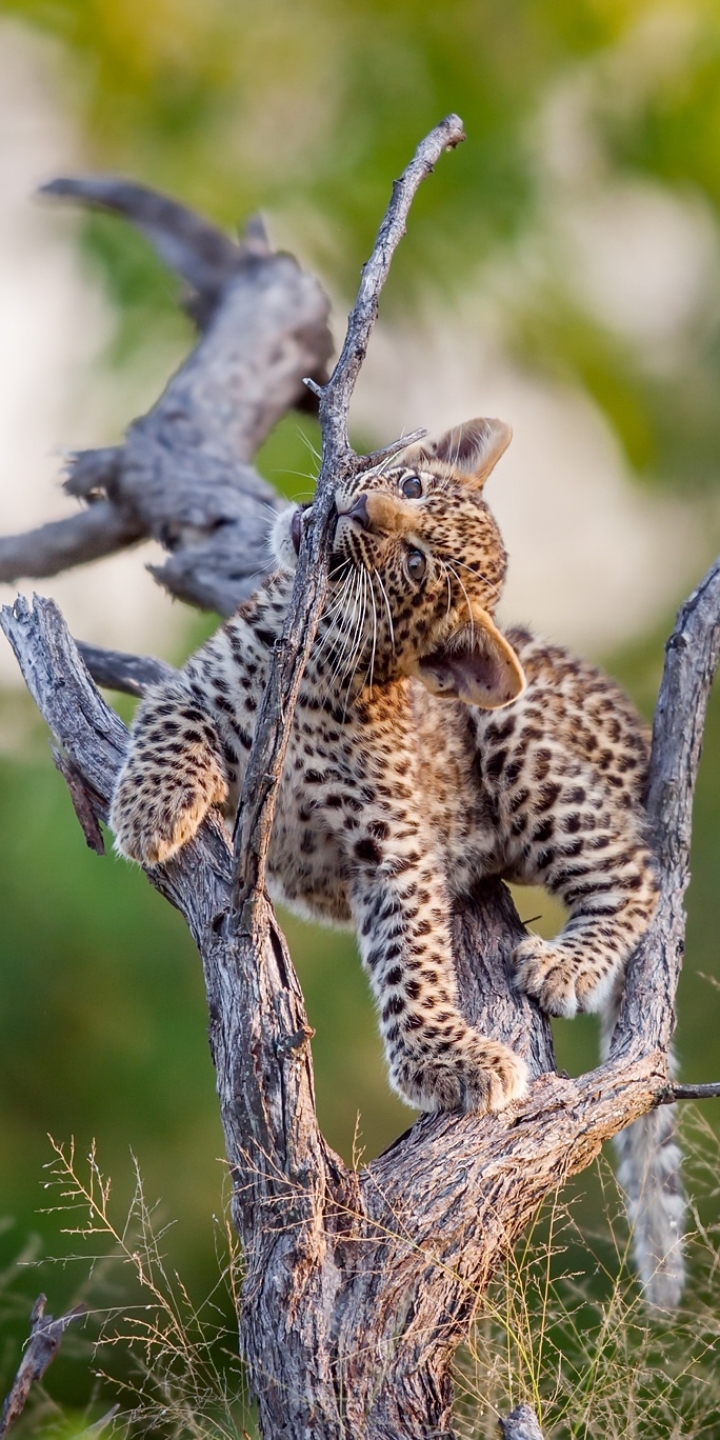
(650, 1173)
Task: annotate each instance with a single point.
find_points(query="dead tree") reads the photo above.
(358, 1286)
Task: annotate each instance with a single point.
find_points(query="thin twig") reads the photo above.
(689, 1092)
(257, 806)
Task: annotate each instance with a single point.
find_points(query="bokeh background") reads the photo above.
(561, 270)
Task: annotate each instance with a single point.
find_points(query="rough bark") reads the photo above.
(360, 1286)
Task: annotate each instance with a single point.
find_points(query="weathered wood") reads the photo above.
(184, 475)
(93, 533)
(195, 249)
(117, 670)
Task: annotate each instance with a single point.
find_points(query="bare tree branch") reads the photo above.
(647, 1017)
(183, 475)
(100, 530)
(83, 802)
(690, 1092)
(196, 250)
(117, 670)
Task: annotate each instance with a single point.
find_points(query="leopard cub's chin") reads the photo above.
(282, 538)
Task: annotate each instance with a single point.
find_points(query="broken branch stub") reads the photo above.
(46, 1335)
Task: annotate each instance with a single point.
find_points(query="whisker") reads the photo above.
(358, 637)
(356, 651)
(359, 631)
(333, 639)
(339, 578)
(307, 442)
(301, 475)
(467, 599)
(345, 630)
(374, 635)
(384, 594)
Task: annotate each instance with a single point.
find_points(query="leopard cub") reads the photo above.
(427, 750)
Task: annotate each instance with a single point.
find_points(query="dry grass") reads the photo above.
(565, 1329)
(181, 1375)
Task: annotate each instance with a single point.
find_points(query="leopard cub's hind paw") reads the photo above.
(563, 980)
(155, 814)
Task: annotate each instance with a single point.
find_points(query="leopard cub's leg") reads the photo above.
(581, 837)
(437, 1060)
(173, 772)
(611, 901)
(564, 771)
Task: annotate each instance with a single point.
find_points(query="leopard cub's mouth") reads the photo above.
(296, 534)
(286, 536)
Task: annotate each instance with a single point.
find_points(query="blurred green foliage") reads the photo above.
(307, 110)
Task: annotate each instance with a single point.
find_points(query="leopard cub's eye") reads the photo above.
(411, 487)
(415, 564)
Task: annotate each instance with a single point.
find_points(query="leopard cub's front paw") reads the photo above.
(475, 1074)
(155, 814)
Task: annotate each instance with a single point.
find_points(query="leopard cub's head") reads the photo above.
(417, 568)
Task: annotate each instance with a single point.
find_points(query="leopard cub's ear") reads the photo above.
(475, 664)
(473, 448)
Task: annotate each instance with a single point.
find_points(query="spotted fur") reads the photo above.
(427, 750)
